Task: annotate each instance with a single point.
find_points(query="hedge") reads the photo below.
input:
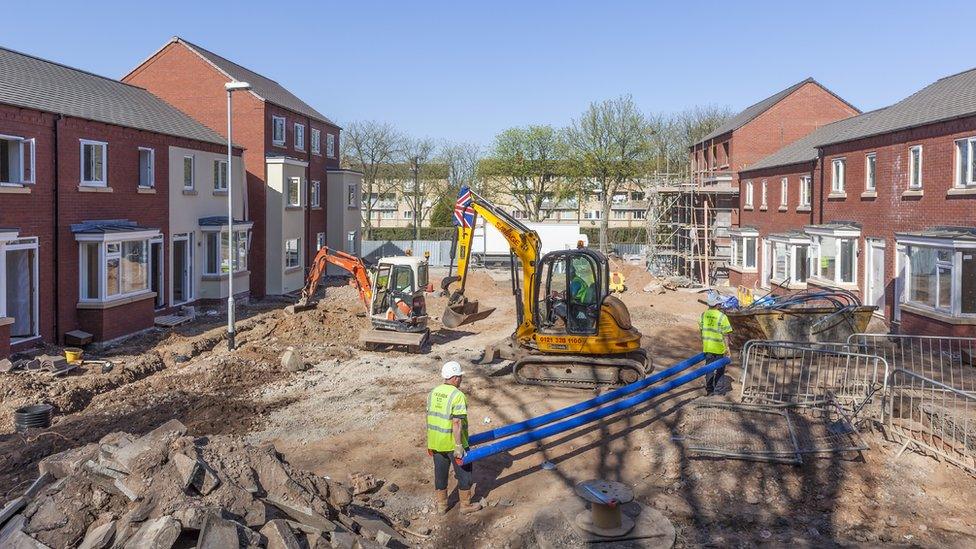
(617, 235)
(407, 233)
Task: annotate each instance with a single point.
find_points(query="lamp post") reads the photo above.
(231, 87)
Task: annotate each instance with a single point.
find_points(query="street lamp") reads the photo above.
(231, 87)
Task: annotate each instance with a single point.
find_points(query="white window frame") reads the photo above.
(838, 175)
(284, 250)
(408, 214)
(316, 141)
(912, 183)
(750, 194)
(320, 241)
(299, 136)
(316, 192)
(791, 244)
(103, 257)
(288, 183)
(193, 173)
(275, 120)
(640, 214)
(871, 172)
(957, 249)
(18, 244)
(152, 167)
(965, 176)
(238, 262)
(220, 167)
(103, 182)
(764, 194)
(351, 242)
(784, 191)
(351, 196)
(815, 254)
(806, 190)
(22, 178)
(330, 145)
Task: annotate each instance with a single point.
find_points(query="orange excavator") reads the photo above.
(393, 297)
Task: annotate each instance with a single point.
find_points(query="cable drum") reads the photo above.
(31, 417)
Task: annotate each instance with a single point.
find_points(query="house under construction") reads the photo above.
(690, 220)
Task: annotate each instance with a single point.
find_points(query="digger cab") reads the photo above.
(570, 289)
(399, 287)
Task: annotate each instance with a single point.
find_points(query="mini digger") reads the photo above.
(570, 330)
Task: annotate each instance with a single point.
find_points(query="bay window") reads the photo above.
(113, 269)
(744, 249)
(966, 162)
(93, 163)
(941, 275)
(790, 261)
(833, 254)
(221, 253)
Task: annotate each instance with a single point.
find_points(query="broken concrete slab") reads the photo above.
(20, 540)
(279, 535)
(68, 462)
(160, 533)
(383, 538)
(292, 361)
(343, 539)
(303, 514)
(207, 481)
(218, 533)
(99, 537)
(153, 445)
(187, 469)
(362, 483)
(6, 365)
(12, 508)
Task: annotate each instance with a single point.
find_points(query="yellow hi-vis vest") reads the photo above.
(714, 325)
(445, 403)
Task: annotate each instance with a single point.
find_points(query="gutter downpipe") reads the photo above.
(57, 227)
(556, 428)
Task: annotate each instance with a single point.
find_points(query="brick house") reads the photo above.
(713, 210)
(291, 150)
(84, 189)
(903, 183)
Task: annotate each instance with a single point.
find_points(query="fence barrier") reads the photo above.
(947, 360)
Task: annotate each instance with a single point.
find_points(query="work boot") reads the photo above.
(441, 501)
(467, 506)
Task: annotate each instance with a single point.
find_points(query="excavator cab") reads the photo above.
(399, 303)
(571, 287)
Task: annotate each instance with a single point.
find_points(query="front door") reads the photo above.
(156, 272)
(182, 269)
(21, 291)
(876, 278)
(767, 263)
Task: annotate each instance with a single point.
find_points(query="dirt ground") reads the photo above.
(354, 410)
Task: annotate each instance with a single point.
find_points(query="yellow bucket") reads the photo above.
(73, 354)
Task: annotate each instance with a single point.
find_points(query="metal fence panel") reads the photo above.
(947, 360)
(440, 250)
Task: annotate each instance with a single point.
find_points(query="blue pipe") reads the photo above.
(556, 428)
(532, 423)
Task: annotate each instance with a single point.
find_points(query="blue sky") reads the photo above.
(466, 70)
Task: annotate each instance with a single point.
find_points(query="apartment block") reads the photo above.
(292, 148)
(85, 187)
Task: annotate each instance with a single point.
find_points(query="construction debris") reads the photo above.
(212, 492)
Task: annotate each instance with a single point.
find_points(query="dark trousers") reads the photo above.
(711, 381)
(442, 466)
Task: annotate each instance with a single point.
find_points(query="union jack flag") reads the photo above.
(463, 212)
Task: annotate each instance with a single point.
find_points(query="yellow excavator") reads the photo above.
(571, 331)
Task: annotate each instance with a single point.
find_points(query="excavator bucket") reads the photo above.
(301, 306)
(464, 313)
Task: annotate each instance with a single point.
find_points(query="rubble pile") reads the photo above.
(166, 489)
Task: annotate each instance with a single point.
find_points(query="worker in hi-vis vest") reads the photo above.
(447, 438)
(715, 330)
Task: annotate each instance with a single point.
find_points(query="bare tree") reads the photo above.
(371, 147)
(530, 163)
(423, 181)
(608, 146)
(462, 160)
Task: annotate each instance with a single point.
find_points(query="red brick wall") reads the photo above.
(891, 212)
(118, 321)
(32, 213)
(5, 341)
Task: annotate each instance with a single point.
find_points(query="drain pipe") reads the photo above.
(532, 423)
(56, 184)
(556, 428)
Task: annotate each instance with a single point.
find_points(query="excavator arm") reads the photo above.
(525, 245)
(351, 263)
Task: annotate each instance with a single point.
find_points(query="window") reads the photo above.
(762, 205)
(408, 214)
(111, 270)
(837, 175)
(351, 242)
(806, 189)
(147, 176)
(744, 251)
(188, 173)
(294, 191)
(620, 214)
(966, 162)
(942, 278)
(293, 253)
(93, 163)
(640, 214)
(220, 252)
(915, 167)
(789, 261)
(749, 194)
(316, 191)
(351, 196)
(278, 130)
(870, 170)
(592, 214)
(330, 145)
(16, 161)
(319, 241)
(834, 259)
(316, 141)
(637, 195)
(389, 214)
(299, 137)
(784, 192)
(220, 175)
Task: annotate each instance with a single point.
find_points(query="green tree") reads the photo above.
(443, 213)
(529, 162)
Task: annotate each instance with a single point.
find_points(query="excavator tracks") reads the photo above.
(580, 371)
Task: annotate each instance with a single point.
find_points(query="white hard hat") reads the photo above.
(451, 369)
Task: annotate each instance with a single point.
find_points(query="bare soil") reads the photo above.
(356, 410)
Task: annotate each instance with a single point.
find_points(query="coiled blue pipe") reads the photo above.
(556, 415)
(556, 428)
